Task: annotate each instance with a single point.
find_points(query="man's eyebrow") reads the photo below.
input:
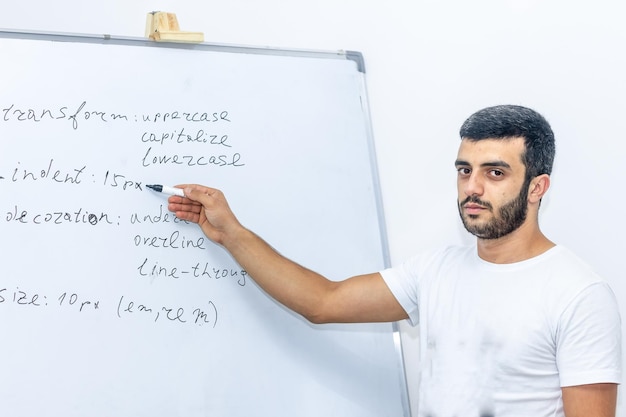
(497, 163)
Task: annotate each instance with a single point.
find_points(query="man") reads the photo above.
(514, 326)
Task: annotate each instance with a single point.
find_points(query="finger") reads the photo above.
(205, 196)
(193, 207)
(175, 199)
(196, 188)
(187, 216)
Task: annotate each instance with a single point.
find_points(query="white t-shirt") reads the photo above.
(502, 339)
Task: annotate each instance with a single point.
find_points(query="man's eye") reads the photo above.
(497, 173)
(463, 171)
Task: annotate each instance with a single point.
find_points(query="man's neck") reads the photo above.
(522, 244)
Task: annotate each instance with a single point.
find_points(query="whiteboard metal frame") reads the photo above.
(355, 56)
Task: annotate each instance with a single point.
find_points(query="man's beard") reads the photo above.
(510, 216)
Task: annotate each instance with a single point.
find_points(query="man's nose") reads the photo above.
(474, 185)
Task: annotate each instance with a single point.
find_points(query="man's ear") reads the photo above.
(538, 188)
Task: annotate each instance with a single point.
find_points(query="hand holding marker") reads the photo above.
(166, 190)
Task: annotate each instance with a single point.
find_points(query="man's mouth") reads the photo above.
(473, 209)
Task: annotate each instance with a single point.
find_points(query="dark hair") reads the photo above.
(509, 121)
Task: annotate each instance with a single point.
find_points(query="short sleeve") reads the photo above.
(403, 285)
(589, 338)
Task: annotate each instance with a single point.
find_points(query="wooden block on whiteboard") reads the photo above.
(167, 21)
(163, 26)
(178, 36)
(151, 24)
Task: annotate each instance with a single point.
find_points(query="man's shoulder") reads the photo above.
(562, 262)
(430, 258)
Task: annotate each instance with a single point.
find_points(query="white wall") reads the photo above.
(429, 65)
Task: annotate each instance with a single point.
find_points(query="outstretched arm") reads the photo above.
(364, 298)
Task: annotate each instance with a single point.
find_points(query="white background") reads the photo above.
(429, 65)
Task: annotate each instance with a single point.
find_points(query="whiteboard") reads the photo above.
(110, 306)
